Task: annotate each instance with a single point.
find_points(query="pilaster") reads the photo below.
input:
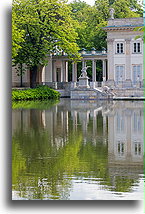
(110, 48)
(128, 59)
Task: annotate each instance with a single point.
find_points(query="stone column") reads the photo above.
(74, 74)
(66, 71)
(83, 63)
(54, 71)
(47, 71)
(94, 70)
(43, 75)
(62, 71)
(93, 73)
(104, 70)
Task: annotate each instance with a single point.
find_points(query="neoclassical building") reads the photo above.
(122, 63)
(125, 52)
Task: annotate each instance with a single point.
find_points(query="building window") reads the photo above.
(136, 73)
(120, 148)
(119, 123)
(137, 148)
(137, 47)
(119, 48)
(119, 73)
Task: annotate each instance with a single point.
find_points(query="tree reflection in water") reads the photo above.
(73, 140)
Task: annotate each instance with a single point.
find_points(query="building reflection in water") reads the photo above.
(117, 125)
(125, 133)
(125, 140)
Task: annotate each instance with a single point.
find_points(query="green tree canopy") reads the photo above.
(17, 36)
(89, 29)
(48, 27)
(92, 18)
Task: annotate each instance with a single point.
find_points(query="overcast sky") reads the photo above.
(91, 2)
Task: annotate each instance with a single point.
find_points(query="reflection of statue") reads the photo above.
(84, 71)
(112, 13)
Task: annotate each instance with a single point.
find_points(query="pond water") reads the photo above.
(77, 150)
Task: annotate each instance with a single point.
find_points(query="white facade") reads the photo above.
(125, 52)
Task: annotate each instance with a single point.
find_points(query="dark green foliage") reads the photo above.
(39, 93)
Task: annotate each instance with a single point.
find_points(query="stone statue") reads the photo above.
(112, 13)
(84, 71)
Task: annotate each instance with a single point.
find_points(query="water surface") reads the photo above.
(77, 150)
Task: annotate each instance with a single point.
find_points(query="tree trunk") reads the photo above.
(33, 76)
(21, 75)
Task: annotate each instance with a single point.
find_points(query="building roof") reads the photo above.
(115, 26)
(124, 23)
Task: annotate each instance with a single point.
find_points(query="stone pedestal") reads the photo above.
(83, 82)
(73, 84)
(92, 84)
(104, 81)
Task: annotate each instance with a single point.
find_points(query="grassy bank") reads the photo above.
(34, 104)
(39, 93)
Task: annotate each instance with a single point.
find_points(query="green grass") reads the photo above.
(39, 93)
(34, 104)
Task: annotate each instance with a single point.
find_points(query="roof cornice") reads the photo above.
(121, 27)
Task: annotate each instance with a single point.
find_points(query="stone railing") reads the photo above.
(125, 84)
(111, 84)
(59, 85)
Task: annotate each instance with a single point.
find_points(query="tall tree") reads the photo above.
(17, 36)
(89, 25)
(92, 18)
(126, 9)
(48, 27)
(134, 5)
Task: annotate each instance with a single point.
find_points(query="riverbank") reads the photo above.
(34, 104)
(38, 93)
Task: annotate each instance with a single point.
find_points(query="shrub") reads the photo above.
(39, 93)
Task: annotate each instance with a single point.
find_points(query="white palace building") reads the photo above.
(122, 63)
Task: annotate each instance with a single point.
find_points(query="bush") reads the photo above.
(39, 93)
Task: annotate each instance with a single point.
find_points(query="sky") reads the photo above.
(91, 2)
